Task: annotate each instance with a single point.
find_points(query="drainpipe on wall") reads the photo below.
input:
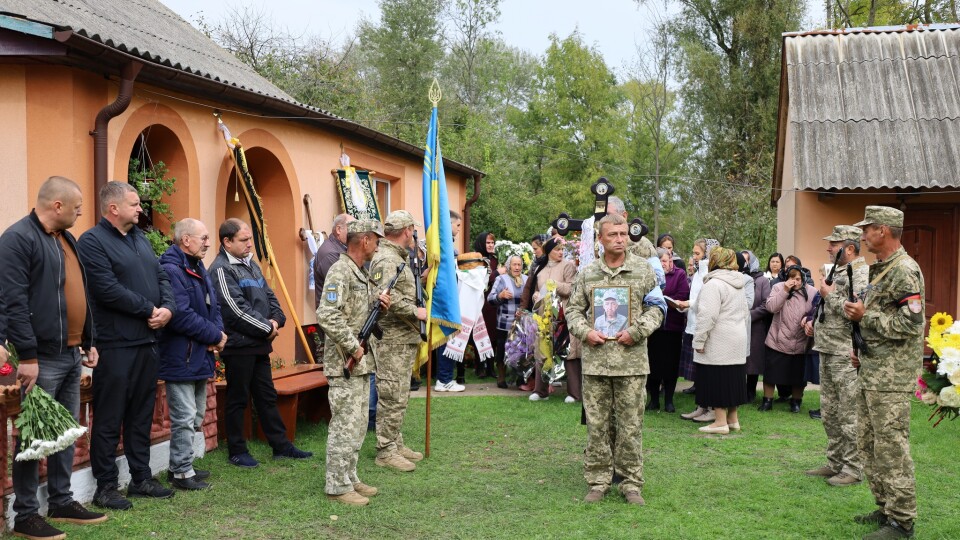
(466, 211)
(127, 75)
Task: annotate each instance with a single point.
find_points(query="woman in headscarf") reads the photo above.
(701, 251)
(485, 245)
(786, 342)
(663, 345)
(665, 241)
(505, 294)
(551, 266)
(759, 324)
(720, 341)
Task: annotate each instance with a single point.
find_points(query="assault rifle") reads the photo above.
(859, 345)
(416, 266)
(372, 325)
(829, 281)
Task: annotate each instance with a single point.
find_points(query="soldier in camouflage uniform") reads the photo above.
(615, 368)
(891, 317)
(397, 350)
(348, 293)
(838, 378)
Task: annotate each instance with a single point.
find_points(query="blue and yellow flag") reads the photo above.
(443, 300)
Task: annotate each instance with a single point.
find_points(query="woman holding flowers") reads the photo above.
(505, 295)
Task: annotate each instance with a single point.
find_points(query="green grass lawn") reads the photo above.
(504, 467)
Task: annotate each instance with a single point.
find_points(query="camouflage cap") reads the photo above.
(881, 215)
(611, 296)
(365, 226)
(398, 220)
(844, 232)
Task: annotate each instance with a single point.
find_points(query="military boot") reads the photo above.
(889, 530)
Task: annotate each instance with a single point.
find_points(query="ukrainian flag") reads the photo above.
(443, 301)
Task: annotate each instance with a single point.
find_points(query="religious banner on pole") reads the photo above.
(356, 189)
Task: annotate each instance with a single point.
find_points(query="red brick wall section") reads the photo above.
(210, 419)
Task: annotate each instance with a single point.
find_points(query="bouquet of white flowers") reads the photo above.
(46, 427)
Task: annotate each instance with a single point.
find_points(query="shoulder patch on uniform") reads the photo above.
(912, 301)
(377, 275)
(332, 294)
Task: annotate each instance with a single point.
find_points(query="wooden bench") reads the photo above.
(301, 390)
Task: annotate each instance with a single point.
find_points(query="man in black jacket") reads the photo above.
(251, 319)
(132, 299)
(49, 323)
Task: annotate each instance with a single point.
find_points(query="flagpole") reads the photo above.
(434, 94)
(271, 258)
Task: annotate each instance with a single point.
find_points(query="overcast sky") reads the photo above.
(614, 27)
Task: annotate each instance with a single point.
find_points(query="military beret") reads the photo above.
(881, 215)
(844, 232)
(365, 226)
(398, 220)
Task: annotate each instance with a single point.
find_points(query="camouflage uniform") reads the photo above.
(838, 377)
(892, 327)
(398, 348)
(348, 293)
(614, 376)
(642, 248)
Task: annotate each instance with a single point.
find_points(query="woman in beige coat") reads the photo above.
(720, 341)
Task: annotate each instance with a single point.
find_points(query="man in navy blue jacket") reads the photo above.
(131, 300)
(187, 345)
(44, 301)
(252, 318)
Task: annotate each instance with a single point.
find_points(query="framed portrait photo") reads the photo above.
(611, 310)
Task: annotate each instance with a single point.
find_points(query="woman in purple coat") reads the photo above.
(663, 346)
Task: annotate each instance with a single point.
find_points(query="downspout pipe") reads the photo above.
(466, 207)
(127, 75)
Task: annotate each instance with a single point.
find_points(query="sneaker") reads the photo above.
(594, 495)
(411, 455)
(149, 488)
(569, 399)
(75, 513)
(873, 518)
(111, 498)
(815, 414)
(689, 390)
(537, 397)
(395, 462)
(824, 471)
(843, 479)
(449, 387)
(365, 490)
(634, 497)
(244, 460)
(197, 473)
(189, 484)
(693, 414)
(292, 452)
(708, 416)
(351, 497)
(34, 526)
(890, 529)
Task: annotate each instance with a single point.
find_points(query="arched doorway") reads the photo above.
(155, 149)
(280, 217)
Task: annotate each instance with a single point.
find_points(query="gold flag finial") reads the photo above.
(435, 93)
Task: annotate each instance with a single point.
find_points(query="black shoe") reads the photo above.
(189, 484)
(766, 404)
(149, 488)
(502, 384)
(292, 452)
(668, 407)
(689, 391)
(891, 529)
(75, 513)
(244, 460)
(461, 380)
(414, 385)
(815, 414)
(109, 497)
(34, 526)
(197, 473)
(794, 406)
(653, 406)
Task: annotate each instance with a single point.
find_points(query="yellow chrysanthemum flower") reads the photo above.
(935, 342)
(940, 322)
(950, 340)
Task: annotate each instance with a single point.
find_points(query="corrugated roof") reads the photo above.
(873, 108)
(148, 30)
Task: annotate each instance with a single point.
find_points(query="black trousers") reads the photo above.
(124, 392)
(249, 376)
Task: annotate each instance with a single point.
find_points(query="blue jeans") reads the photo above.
(444, 366)
(373, 396)
(60, 377)
(188, 404)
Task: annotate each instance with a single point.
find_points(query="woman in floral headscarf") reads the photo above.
(720, 341)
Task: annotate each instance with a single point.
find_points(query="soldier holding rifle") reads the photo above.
(401, 337)
(347, 295)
